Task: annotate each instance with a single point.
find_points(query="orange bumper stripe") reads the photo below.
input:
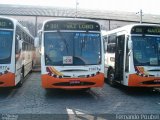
(48, 81)
(136, 81)
(7, 80)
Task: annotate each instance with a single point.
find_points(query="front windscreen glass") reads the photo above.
(72, 48)
(5, 46)
(146, 50)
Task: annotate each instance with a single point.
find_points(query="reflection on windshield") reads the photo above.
(5, 46)
(71, 48)
(146, 50)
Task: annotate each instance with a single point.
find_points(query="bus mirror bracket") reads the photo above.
(130, 45)
(105, 46)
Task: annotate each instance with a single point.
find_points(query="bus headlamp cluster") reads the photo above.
(5, 72)
(60, 76)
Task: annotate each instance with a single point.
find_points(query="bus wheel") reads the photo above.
(111, 77)
(21, 79)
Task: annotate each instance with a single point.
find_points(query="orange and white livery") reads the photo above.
(132, 55)
(16, 46)
(72, 54)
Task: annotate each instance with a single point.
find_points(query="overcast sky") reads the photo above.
(147, 6)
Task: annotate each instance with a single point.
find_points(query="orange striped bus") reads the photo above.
(16, 47)
(132, 55)
(72, 54)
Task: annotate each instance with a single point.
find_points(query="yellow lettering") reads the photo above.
(71, 26)
(86, 26)
(54, 26)
(138, 30)
(156, 30)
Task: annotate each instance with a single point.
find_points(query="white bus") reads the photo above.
(132, 55)
(16, 48)
(72, 54)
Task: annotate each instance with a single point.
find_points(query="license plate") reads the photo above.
(157, 81)
(67, 60)
(74, 82)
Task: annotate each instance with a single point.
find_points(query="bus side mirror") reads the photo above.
(105, 47)
(105, 43)
(130, 45)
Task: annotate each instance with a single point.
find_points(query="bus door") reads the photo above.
(119, 58)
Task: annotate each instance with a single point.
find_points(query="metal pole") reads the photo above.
(140, 13)
(36, 25)
(76, 8)
(141, 16)
(109, 24)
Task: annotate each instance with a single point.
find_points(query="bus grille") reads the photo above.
(73, 84)
(1, 83)
(153, 82)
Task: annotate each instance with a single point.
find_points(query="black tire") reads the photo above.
(20, 83)
(110, 77)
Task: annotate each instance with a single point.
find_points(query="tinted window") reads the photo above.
(5, 46)
(83, 48)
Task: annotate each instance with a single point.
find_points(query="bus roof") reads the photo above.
(15, 22)
(12, 19)
(69, 19)
(128, 28)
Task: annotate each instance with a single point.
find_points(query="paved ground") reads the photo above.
(32, 99)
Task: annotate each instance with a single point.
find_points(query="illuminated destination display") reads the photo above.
(5, 23)
(151, 30)
(72, 25)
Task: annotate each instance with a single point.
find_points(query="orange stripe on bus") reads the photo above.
(55, 71)
(136, 81)
(51, 70)
(7, 80)
(48, 81)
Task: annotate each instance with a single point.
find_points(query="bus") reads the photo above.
(72, 54)
(132, 55)
(16, 48)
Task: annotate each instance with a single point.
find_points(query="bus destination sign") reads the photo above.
(5, 23)
(72, 25)
(151, 30)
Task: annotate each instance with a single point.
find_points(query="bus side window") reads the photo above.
(111, 46)
(17, 47)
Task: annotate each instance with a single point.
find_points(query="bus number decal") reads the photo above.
(67, 60)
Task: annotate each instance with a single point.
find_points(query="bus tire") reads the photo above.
(20, 83)
(110, 75)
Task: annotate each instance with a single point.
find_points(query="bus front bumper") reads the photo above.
(141, 81)
(7, 80)
(72, 83)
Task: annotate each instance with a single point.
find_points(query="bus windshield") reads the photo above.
(79, 47)
(146, 50)
(5, 46)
